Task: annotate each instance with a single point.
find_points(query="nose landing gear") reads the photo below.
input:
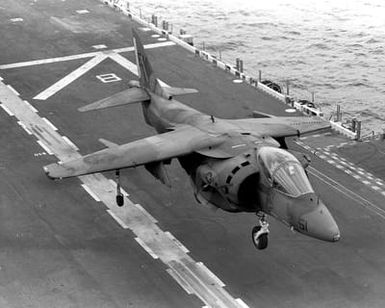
(260, 233)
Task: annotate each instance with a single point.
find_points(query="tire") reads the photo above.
(120, 200)
(260, 242)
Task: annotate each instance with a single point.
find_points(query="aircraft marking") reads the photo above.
(131, 216)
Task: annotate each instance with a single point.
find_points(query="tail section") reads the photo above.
(145, 73)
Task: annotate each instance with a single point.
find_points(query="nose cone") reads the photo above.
(321, 224)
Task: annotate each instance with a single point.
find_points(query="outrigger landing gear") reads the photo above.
(259, 233)
(119, 195)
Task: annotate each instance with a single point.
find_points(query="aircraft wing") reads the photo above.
(283, 126)
(182, 141)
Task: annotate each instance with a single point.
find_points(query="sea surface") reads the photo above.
(334, 48)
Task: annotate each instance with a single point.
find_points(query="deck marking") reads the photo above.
(347, 192)
(90, 192)
(242, 303)
(118, 220)
(96, 58)
(82, 12)
(129, 216)
(70, 143)
(62, 83)
(24, 127)
(181, 246)
(107, 78)
(45, 148)
(80, 56)
(215, 279)
(180, 281)
(13, 90)
(7, 110)
(146, 248)
(16, 19)
(50, 124)
(30, 106)
(101, 46)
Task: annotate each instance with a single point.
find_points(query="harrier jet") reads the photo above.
(238, 165)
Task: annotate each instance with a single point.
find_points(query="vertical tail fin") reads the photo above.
(145, 73)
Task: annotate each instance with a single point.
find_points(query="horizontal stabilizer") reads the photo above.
(129, 96)
(171, 91)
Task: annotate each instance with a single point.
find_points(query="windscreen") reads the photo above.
(284, 170)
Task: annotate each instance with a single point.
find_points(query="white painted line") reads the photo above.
(376, 188)
(90, 192)
(379, 183)
(162, 39)
(175, 275)
(179, 244)
(13, 90)
(118, 220)
(241, 303)
(16, 19)
(24, 127)
(81, 12)
(62, 83)
(366, 182)
(101, 46)
(7, 110)
(126, 194)
(146, 248)
(356, 176)
(124, 62)
(145, 29)
(149, 216)
(50, 124)
(1, 78)
(81, 56)
(237, 81)
(30, 106)
(45, 148)
(210, 274)
(155, 35)
(70, 143)
(348, 171)
(322, 156)
(331, 161)
(340, 167)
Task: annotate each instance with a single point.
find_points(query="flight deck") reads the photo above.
(67, 244)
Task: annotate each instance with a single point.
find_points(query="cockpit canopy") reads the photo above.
(284, 170)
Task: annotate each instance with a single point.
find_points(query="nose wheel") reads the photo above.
(260, 233)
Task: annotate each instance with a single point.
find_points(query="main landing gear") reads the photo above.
(259, 233)
(119, 195)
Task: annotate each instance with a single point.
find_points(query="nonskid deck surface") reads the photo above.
(67, 244)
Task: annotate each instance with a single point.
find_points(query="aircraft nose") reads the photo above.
(321, 224)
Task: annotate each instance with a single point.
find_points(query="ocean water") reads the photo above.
(334, 48)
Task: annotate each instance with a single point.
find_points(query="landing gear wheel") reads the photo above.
(120, 200)
(119, 195)
(260, 240)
